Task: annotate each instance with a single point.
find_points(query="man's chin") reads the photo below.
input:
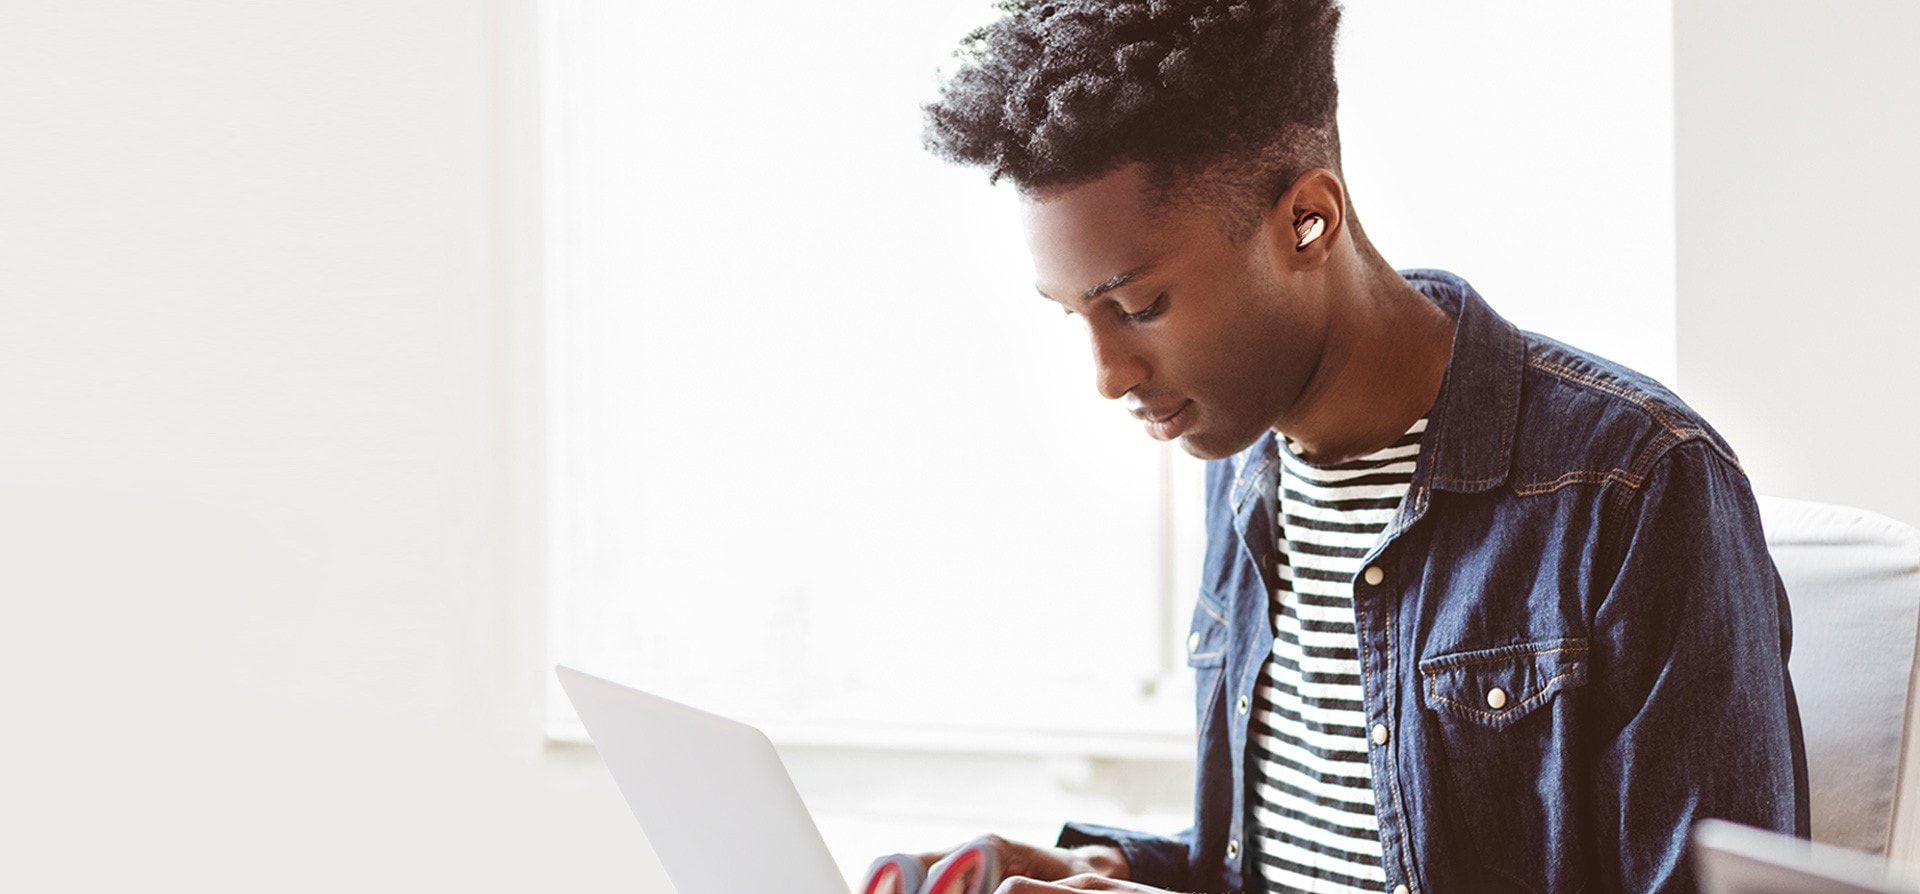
(1209, 446)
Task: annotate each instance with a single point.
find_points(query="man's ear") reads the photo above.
(1307, 221)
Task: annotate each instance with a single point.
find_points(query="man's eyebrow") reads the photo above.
(1117, 281)
(1111, 284)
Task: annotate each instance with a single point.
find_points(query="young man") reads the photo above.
(1480, 611)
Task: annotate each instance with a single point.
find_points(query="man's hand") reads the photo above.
(1088, 882)
(1046, 863)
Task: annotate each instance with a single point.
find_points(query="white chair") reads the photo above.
(1853, 582)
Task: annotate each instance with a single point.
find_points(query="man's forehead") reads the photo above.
(1094, 234)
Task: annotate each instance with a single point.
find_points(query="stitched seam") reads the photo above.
(1546, 690)
(1619, 502)
(1634, 397)
(1653, 453)
(1674, 433)
(1436, 667)
(1247, 482)
(1393, 769)
(1211, 613)
(1510, 388)
(1465, 482)
(1625, 478)
(1617, 508)
(1620, 506)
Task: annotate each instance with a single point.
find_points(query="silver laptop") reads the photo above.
(1735, 859)
(711, 793)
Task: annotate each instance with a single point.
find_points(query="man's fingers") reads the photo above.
(1088, 882)
(1020, 884)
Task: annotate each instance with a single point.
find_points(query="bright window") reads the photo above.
(823, 458)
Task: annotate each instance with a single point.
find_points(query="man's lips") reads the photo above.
(1165, 423)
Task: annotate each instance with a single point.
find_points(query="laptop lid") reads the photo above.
(1736, 859)
(716, 802)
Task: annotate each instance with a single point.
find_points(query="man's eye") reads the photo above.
(1146, 313)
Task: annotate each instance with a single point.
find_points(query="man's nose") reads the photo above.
(1118, 368)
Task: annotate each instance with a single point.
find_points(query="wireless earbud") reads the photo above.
(1308, 229)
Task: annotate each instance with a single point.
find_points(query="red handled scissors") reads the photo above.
(973, 869)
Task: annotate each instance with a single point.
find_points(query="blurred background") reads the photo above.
(361, 360)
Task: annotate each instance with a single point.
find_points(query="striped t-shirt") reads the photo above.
(1311, 825)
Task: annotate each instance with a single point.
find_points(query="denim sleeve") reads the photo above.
(1690, 654)
(1157, 861)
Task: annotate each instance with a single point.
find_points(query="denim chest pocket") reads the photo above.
(1495, 688)
(1207, 639)
(1207, 655)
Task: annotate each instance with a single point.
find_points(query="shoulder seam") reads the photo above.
(1661, 448)
(1673, 431)
(1605, 386)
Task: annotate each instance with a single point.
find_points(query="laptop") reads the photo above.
(1736, 859)
(711, 793)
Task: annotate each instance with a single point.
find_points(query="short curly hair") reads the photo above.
(1059, 92)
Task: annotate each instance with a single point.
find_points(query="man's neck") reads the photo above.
(1385, 357)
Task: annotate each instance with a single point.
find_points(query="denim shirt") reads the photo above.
(1580, 540)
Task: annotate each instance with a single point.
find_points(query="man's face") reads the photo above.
(1204, 339)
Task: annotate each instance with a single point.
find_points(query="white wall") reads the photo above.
(264, 622)
(1522, 145)
(1798, 311)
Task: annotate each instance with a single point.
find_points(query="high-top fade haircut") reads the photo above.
(1225, 102)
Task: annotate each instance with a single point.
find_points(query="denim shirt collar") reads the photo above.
(1468, 445)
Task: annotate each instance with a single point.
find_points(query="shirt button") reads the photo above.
(1243, 704)
(1374, 576)
(1193, 643)
(1496, 698)
(1379, 734)
(1401, 889)
(1233, 849)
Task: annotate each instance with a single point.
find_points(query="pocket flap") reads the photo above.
(1496, 687)
(1207, 640)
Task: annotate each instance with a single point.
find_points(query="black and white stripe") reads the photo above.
(1312, 825)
